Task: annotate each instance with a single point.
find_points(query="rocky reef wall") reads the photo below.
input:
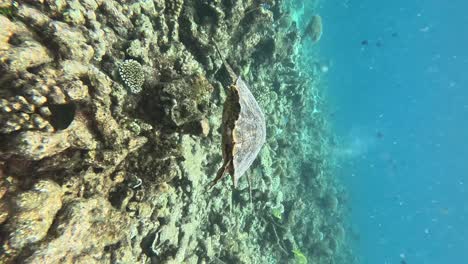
(109, 134)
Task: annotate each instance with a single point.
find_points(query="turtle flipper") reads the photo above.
(228, 67)
(221, 172)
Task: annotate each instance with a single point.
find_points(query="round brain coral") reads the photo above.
(132, 74)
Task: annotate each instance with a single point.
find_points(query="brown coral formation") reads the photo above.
(93, 173)
(314, 29)
(29, 220)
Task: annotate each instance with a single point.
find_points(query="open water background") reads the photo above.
(399, 106)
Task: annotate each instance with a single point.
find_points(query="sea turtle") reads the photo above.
(243, 128)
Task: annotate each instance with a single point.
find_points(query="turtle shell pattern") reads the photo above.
(249, 133)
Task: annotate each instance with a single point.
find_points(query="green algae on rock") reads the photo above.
(299, 257)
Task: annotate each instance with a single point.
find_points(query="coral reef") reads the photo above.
(109, 134)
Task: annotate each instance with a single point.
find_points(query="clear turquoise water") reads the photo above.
(399, 106)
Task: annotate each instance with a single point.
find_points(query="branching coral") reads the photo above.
(132, 74)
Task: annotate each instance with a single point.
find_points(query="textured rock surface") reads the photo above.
(91, 172)
(82, 230)
(32, 213)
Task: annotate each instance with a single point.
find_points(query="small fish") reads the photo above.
(403, 258)
(424, 29)
(365, 42)
(379, 135)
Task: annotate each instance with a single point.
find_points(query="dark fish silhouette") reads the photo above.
(379, 135)
(364, 42)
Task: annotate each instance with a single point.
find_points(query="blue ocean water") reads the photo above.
(398, 101)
